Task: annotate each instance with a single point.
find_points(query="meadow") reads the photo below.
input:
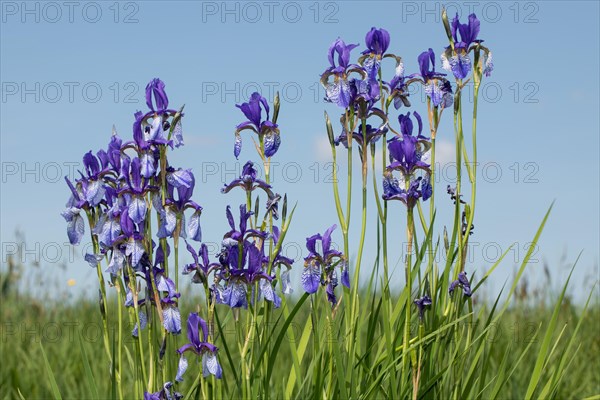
(232, 325)
(69, 332)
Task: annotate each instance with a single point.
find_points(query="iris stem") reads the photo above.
(104, 308)
(408, 273)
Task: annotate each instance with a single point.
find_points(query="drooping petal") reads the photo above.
(75, 229)
(93, 192)
(168, 222)
(193, 229)
(181, 368)
(345, 276)
(147, 165)
(111, 229)
(237, 145)
(135, 249)
(180, 177)
(210, 365)
(286, 287)
(267, 291)
(116, 263)
(460, 65)
(271, 142)
(311, 278)
(178, 134)
(137, 209)
(143, 323)
(93, 259)
(172, 319)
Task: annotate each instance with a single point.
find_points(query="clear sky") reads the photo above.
(70, 70)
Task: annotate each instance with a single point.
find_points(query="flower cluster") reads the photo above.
(409, 155)
(117, 190)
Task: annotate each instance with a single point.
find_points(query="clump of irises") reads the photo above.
(364, 93)
(140, 210)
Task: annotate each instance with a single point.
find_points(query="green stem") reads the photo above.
(408, 273)
(104, 308)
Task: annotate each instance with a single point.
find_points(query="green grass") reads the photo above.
(503, 365)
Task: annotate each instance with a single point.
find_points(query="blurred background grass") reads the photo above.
(37, 309)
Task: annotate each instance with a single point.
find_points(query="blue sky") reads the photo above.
(69, 72)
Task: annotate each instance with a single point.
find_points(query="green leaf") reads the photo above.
(53, 384)
(91, 383)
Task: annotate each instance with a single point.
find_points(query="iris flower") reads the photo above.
(180, 182)
(463, 283)
(437, 88)
(339, 91)
(265, 129)
(377, 41)
(408, 155)
(456, 58)
(319, 268)
(421, 304)
(248, 181)
(200, 347)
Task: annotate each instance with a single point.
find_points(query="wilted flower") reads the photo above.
(463, 283)
(163, 394)
(422, 303)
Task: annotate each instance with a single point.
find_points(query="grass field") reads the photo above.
(71, 329)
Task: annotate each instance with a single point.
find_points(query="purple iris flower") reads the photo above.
(153, 128)
(171, 314)
(364, 90)
(377, 41)
(280, 260)
(458, 61)
(180, 188)
(108, 227)
(133, 239)
(253, 273)
(412, 152)
(201, 267)
(398, 87)
(437, 88)
(87, 192)
(248, 181)
(408, 156)
(421, 304)
(241, 279)
(463, 283)
(339, 91)
(372, 135)
(156, 98)
(265, 129)
(317, 265)
(163, 394)
(135, 189)
(200, 347)
(395, 190)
